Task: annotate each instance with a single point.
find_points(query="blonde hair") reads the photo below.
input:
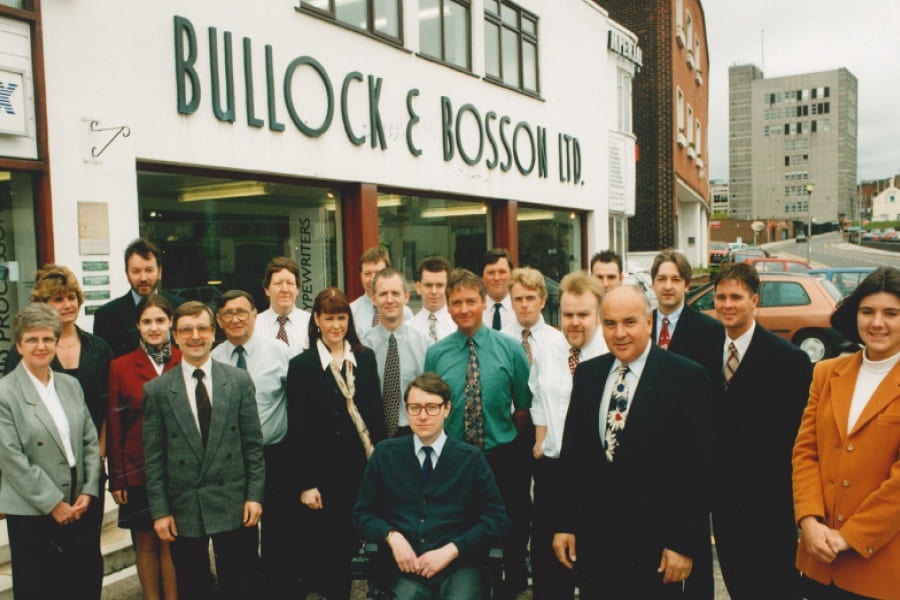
(54, 280)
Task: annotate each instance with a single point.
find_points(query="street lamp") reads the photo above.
(809, 191)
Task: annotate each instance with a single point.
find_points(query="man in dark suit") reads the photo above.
(433, 502)
(204, 459)
(637, 430)
(690, 333)
(761, 391)
(114, 321)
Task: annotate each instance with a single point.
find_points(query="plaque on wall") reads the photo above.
(93, 228)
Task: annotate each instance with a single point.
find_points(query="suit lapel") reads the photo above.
(601, 372)
(642, 397)
(221, 405)
(886, 392)
(30, 395)
(143, 365)
(841, 385)
(178, 400)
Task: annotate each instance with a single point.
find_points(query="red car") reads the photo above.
(779, 265)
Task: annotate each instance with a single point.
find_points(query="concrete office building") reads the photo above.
(788, 133)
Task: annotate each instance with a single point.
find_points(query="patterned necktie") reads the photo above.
(473, 415)
(282, 332)
(432, 327)
(391, 386)
(574, 356)
(496, 322)
(241, 361)
(526, 345)
(204, 408)
(376, 318)
(617, 413)
(664, 337)
(427, 467)
(732, 364)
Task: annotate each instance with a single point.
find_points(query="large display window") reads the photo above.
(18, 251)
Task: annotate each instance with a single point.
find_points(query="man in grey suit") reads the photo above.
(204, 459)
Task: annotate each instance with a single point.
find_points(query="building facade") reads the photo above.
(671, 101)
(792, 145)
(230, 133)
(886, 204)
(718, 193)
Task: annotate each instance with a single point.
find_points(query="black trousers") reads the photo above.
(552, 581)
(813, 590)
(51, 560)
(237, 564)
(277, 544)
(512, 464)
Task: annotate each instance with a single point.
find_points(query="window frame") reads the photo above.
(330, 15)
(496, 19)
(467, 5)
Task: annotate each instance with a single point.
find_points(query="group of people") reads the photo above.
(605, 448)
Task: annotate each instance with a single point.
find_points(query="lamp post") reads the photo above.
(809, 191)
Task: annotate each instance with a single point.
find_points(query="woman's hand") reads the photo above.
(120, 496)
(311, 499)
(816, 538)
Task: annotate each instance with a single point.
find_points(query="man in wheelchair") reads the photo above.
(432, 502)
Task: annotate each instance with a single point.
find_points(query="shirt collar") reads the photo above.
(136, 297)
(325, 354)
(636, 367)
(673, 318)
(743, 342)
(41, 388)
(188, 369)
(437, 446)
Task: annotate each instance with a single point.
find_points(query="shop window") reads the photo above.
(444, 31)
(217, 234)
(511, 45)
(413, 227)
(550, 241)
(378, 17)
(18, 251)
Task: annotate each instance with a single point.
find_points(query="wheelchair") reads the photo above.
(370, 565)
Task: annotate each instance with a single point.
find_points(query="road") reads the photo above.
(829, 249)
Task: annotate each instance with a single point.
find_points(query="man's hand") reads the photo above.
(540, 434)
(81, 505)
(252, 513)
(120, 496)
(564, 547)
(404, 555)
(815, 537)
(165, 528)
(676, 567)
(311, 498)
(434, 561)
(63, 513)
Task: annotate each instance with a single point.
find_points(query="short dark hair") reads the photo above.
(681, 263)
(376, 254)
(192, 308)
(433, 264)
(233, 294)
(467, 279)
(332, 300)
(280, 263)
(150, 301)
(607, 256)
(743, 273)
(882, 279)
(388, 272)
(430, 383)
(495, 254)
(145, 249)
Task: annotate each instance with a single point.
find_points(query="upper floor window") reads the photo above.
(689, 28)
(444, 31)
(511, 45)
(379, 17)
(679, 108)
(624, 101)
(697, 52)
(698, 136)
(679, 14)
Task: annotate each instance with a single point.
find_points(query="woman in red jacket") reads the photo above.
(847, 454)
(125, 448)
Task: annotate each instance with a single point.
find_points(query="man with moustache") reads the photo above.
(643, 443)
(283, 320)
(399, 349)
(266, 360)
(496, 266)
(365, 313)
(433, 320)
(551, 383)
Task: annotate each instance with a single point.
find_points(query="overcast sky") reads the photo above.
(803, 36)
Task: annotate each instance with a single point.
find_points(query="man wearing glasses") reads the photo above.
(431, 501)
(266, 360)
(204, 460)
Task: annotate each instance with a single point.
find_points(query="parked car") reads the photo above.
(845, 279)
(886, 235)
(801, 238)
(779, 265)
(743, 254)
(737, 245)
(871, 235)
(796, 307)
(717, 252)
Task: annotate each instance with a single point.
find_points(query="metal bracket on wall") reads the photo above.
(123, 130)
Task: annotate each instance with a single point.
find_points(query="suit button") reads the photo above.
(849, 447)
(40, 443)
(845, 483)
(840, 518)
(421, 520)
(869, 550)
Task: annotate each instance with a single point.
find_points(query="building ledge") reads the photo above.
(692, 152)
(698, 76)
(679, 36)
(690, 59)
(681, 140)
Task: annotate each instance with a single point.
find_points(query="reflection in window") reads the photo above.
(18, 249)
(444, 31)
(550, 241)
(413, 227)
(510, 45)
(217, 234)
(381, 17)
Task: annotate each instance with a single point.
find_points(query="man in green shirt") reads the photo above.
(488, 376)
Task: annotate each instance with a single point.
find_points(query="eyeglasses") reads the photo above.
(186, 330)
(240, 314)
(433, 409)
(34, 341)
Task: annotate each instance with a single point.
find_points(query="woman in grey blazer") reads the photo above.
(49, 468)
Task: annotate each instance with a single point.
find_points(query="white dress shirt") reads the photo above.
(673, 321)
(297, 328)
(363, 310)
(539, 336)
(741, 344)
(190, 382)
(50, 399)
(507, 316)
(444, 324)
(411, 349)
(436, 448)
(632, 378)
(325, 354)
(267, 364)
